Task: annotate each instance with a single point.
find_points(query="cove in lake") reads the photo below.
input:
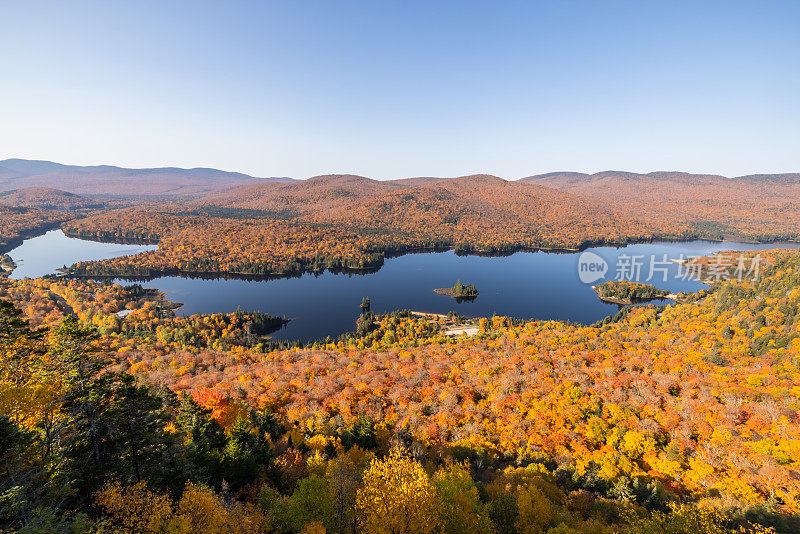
(526, 285)
(44, 254)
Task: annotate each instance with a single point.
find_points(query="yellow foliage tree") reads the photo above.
(135, 508)
(535, 510)
(397, 497)
(459, 505)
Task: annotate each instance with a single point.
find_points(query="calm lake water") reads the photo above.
(528, 285)
(44, 254)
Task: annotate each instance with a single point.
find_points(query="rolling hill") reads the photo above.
(755, 206)
(46, 198)
(467, 208)
(110, 180)
(346, 221)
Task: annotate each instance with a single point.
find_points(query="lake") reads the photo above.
(527, 285)
(44, 254)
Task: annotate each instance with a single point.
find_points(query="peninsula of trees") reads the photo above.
(627, 292)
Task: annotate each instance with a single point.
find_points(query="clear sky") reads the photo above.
(392, 89)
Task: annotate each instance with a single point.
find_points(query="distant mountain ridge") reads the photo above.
(111, 180)
(565, 176)
(18, 173)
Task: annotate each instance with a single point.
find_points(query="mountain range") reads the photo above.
(119, 181)
(109, 180)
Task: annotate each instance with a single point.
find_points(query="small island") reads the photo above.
(459, 291)
(627, 292)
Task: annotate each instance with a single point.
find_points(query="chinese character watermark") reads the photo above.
(632, 267)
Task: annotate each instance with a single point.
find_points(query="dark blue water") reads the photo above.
(526, 285)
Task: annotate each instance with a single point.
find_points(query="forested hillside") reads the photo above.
(17, 223)
(662, 419)
(28, 212)
(758, 207)
(46, 198)
(352, 222)
(681, 418)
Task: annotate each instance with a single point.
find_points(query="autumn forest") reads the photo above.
(119, 413)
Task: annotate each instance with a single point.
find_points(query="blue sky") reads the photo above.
(392, 89)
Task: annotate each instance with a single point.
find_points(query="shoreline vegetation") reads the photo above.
(460, 248)
(7, 244)
(255, 326)
(625, 292)
(158, 297)
(7, 265)
(143, 273)
(261, 323)
(353, 223)
(371, 264)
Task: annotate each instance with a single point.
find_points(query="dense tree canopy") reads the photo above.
(529, 426)
(116, 414)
